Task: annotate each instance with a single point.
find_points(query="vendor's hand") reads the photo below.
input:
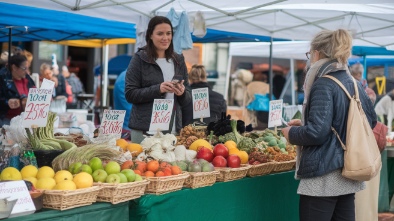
(14, 103)
(166, 87)
(179, 88)
(285, 132)
(295, 122)
(61, 97)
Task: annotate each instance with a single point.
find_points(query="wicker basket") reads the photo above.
(261, 169)
(228, 174)
(284, 166)
(201, 179)
(68, 199)
(166, 184)
(117, 193)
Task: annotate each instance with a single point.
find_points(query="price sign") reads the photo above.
(47, 84)
(37, 107)
(200, 99)
(17, 190)
(161, 114)
(112, 122)
(275, 113)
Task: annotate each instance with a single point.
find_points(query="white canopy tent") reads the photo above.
(370, 22)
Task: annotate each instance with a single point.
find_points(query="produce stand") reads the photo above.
(269, 197)
(94, 212)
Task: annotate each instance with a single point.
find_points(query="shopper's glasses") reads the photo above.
(23, 68)
(307, 54)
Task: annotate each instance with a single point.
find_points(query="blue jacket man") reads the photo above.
(120, 102)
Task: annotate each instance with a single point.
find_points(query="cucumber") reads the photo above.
(52, 143)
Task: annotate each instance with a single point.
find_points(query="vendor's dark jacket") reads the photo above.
(61, 86)
(327, 106)
(143, 79)
(217, 105)
(8, 90)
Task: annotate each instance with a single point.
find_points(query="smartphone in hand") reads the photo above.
(177, 79)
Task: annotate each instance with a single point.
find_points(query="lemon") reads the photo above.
(29, 171)
(243, 156)
(33, 180)
(83, 180)
(46, 183)
(200, 143)
(45, 172)
(233, 151)
(62, 175)
(11, 173)
(65, 185)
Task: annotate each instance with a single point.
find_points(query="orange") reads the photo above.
(134, 148)
(230, 144)
(122, 143)
(233, 151)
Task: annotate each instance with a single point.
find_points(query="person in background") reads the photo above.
(60, 83)
(45, 72)
(261, 76)
(120, 102)
(357, 71)
(14, 88)
(324, 193)
(385, 109)
(278, 83)
(29, 57)
(76, 85)
(217, 104)
(149, 76)
(3, 59)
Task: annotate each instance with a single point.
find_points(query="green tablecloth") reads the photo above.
(94, 212)
(271, 197)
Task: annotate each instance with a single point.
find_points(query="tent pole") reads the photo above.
(292, 81)
(9, 46)
(101, 77)
(271, 75)
(365, 68)
(105, 75)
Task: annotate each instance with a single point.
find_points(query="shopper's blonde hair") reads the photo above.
(356, 69)
(333, 44)
(197, 73)
(43, 67)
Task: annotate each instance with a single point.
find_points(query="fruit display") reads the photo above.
(199, 165)
(243, 143)
(158, 147)
(221, 156)
(189, 134)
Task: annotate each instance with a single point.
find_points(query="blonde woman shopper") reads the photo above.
(325, 195)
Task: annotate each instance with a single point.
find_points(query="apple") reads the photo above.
(205, 153)
(219, 161)
(99, 175)
(74, 167)
(234, 161)
(113, 178)
(138, 178)
(95, 163)
(112, 167)
(123, 178)
(220, 150)
(129, 173)
(85, 168)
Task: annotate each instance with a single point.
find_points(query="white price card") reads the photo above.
(200, 99)
(37, 107)
(275, 113)
(161, 114)
(17, 190)
(112, 122)
(47, 84)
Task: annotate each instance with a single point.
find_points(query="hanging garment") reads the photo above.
(182, 38)
(141, 28)
(199, 28)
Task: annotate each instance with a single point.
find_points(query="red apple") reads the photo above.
(219, 161)
(234, 161)
(205, 153)
(220, 150)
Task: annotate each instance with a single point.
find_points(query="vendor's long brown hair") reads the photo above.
(150, 47)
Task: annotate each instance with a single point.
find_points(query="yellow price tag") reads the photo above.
(381, 84)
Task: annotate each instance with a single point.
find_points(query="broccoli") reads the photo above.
(246, 144)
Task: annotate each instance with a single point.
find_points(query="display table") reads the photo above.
(94, 212)
(270, 197)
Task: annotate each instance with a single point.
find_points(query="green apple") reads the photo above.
(74, 167)
(113, 178)
(137, 178)
(129, 173)
(123, 178)
(112, 167)
(99, 175)
(95, 163)
(85, 168)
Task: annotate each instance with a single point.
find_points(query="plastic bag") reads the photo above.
(261, 102)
